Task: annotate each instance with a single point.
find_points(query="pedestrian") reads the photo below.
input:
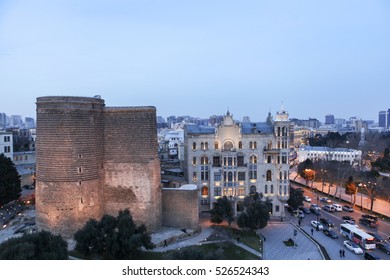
(343, 253)
(312, 231)
(165, 243)
(238, 239)
(264, 238)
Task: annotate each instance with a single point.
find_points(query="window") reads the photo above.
(194, 177)
(252, 189)
(216, 145)
(230, 177)
(269, 159)
(265, 189)
(217, 176)
(194, 161)
(194, 146)
(240, 160)
(230, 161)
(206, 146)
(252, 171)
(284, 159)
(216, 161)
(204, 175)
(277, 209)
(269, 175)
(205, 191)
(79, 170)
(241, 191)
(228, 145)
(241, 176)
(272, 189)
(240, 145)
(7, 138)
(204, 160)
(7, 149)
(253, 159)
(217, 191)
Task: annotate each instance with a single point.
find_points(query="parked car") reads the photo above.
(385, 247)
(315, 206)
(353, 247)
(315, 211)
(306, 198)
(347, 208)
(367, 222)
(337, 207)
(328, 208)
(378, 237)
(331, 233)
(326, 222)
(325, 199)
(316, 224)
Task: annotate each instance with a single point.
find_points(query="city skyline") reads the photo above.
(198, 58)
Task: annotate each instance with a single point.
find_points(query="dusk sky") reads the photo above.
(200, 57)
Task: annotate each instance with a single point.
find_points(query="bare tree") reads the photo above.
(370, 185)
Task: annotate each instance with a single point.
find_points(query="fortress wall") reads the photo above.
(131, 164)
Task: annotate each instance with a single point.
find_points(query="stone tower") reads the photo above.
(93, 160)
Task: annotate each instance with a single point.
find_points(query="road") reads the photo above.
(334, 245)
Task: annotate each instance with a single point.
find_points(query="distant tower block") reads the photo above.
(93, 160)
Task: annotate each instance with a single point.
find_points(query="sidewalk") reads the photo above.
(381, 207)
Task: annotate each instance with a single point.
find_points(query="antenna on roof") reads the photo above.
(97, 96)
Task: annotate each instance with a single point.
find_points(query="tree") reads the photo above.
(9, 181)
(36, 246)
(256, 212)
(296, 198)
(370, 185)
(222, 209)
(113, 238)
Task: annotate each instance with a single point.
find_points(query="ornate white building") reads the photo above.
(235, 160)
(324, 153)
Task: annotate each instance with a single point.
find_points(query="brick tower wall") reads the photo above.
(69, 152)
(131, 164)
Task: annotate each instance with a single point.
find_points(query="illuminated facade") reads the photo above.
(235, 160)
(329, 154)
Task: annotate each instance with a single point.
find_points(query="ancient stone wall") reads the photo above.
(131, 164)
(69, 162)
(180, 207)
(93, 160)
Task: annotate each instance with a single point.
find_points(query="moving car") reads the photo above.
(306, 198)
(347, 208)
(348, 220)
(385, 247)
(367, 222)
(328, 208)
(353, 247)
(316, 224)
(370, 217)
(378, 237)
(305, 210)
(326, 222)
(331, 233)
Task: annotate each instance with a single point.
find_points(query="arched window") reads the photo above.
(253, 159)
(269, 175)
(216, 145)
(206, 146)
(194, 146)
(204, 160)
(269, 145)
(252, 190)
(228, 145)
(202, 146)
(205, 191)
(240, 145)
(278, 131)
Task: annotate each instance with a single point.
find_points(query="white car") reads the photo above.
(337, 207)
(353, 247)
(306, 198)
(325, 199)
(316, 224)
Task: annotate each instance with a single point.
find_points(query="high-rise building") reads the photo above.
(29, 122)
(329, 119)
(16, 121)
(384, 119)
(3, 121)
(235, 160)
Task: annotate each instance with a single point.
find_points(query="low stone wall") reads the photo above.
(180, 207)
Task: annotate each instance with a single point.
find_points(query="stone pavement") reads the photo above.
(274, 248)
